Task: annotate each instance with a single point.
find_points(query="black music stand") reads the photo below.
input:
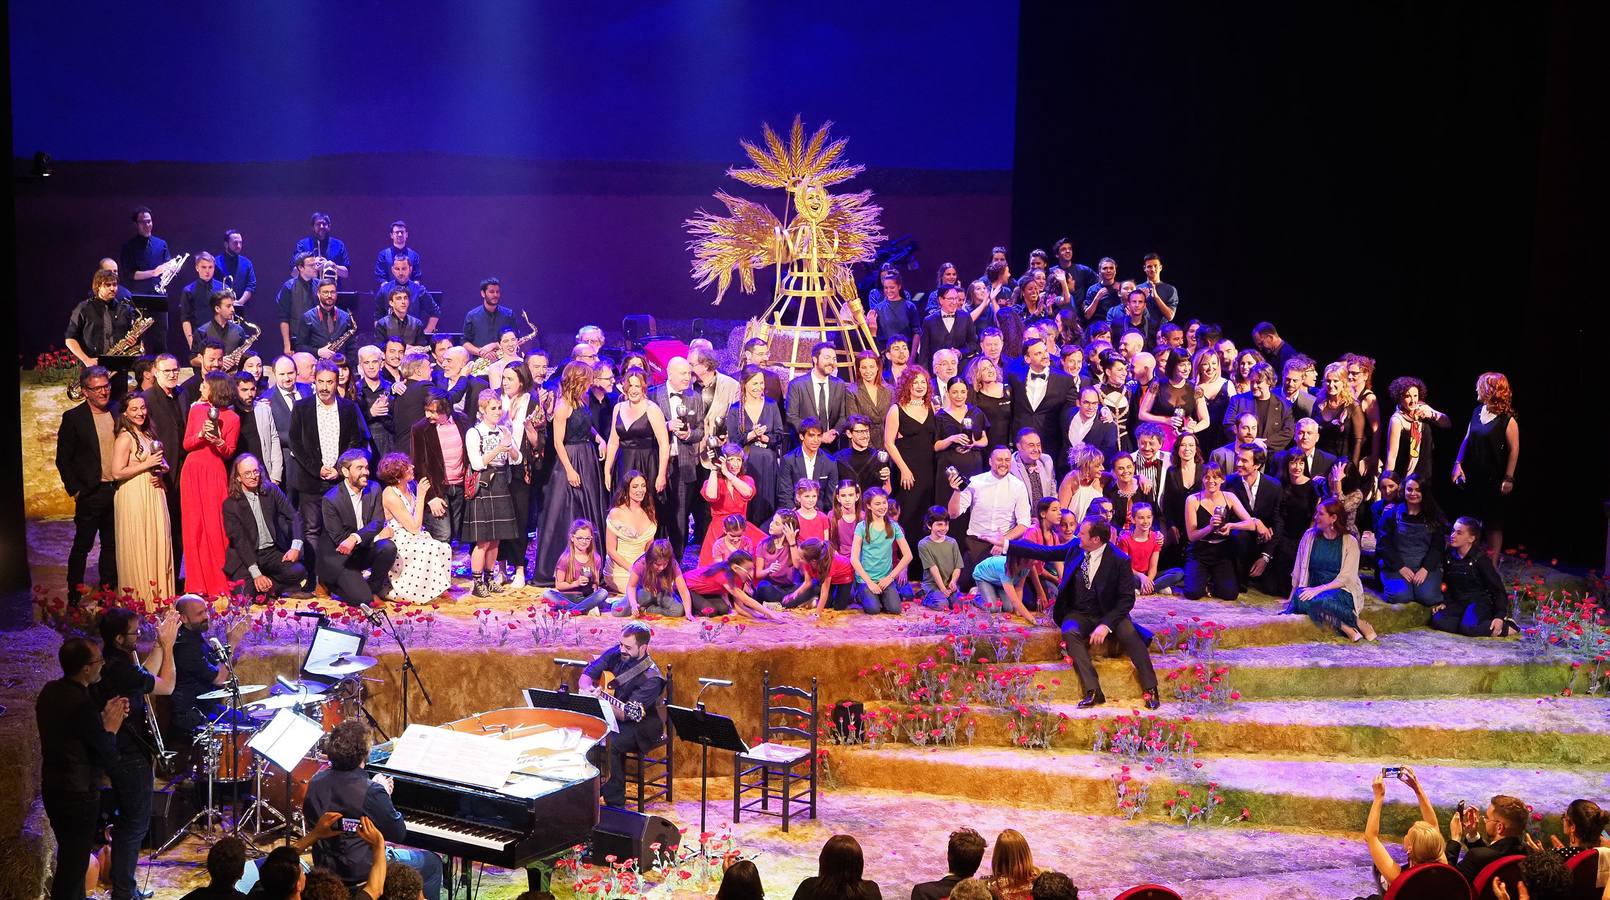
(586, 704)
(156, 306)
(285, 741)
(707, 729)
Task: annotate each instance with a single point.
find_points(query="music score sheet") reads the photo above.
(480, 760)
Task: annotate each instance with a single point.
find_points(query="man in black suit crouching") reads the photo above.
(355, 536)
(265, 535)
(1094, 600)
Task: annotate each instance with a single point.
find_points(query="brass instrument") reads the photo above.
(164, 756)
(482, 365)
(336, 345)
(233, 360)
(170, 270)
(128, 345)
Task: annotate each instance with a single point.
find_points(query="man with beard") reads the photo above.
(296, 296)
(265, 536)
(195, 670)
(324, 428)
(77, 746)
(355, 536)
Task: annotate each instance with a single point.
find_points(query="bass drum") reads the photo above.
(344, 701)
(274, 784)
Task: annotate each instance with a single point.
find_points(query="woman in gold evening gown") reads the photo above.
(140, 508)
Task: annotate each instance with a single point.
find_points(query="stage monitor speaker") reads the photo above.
(636, 329)
(172, 807)
(626, 835)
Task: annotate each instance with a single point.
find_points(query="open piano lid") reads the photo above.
(516, 751)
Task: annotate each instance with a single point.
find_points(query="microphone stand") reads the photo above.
(408, 667)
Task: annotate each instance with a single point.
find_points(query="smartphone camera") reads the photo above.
(350, 825)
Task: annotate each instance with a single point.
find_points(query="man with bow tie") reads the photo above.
(949, 327)
(1039, 395)
(1093, 603)
(1151, 462)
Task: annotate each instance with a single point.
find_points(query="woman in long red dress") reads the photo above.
(210, 433)
(728, 491)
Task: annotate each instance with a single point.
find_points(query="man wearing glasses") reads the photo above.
(84, 461)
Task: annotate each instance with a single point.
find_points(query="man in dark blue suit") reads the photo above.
(1093, 603)
(807, 461)
(322, 325)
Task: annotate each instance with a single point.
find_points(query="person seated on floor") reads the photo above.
(655, 585)
(838, 873)
(226, 863)
(1053, 886)
(347, 789)
(727, 586)
(825, 578)
(1504, 825)
(1143, 544)
(1000, 583)
(1423, 843)
(578, 574)
(1012, 870)
(1474, 602)
(1325, 584)
(1409, 541)
(741, 881)
(963, 854)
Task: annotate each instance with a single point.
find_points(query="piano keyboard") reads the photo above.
(444, 829)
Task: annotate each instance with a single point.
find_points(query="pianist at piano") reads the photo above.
(346, 788)
(637, 686)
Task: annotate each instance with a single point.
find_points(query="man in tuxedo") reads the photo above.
(1260, 494)
(322, 325)
(166, 407)
(324, 428)
(1246, 432)
(1505, 823)
(1084, 425)
(408, 404)
(683, 408)
(282, 398)
(355, 536)
(1093, 602)
(84, 461)
(1039, 395)
(819, 394)
(1316, 462)
(265, 535)
(1271, 413)
(757, 353)
(946, 328)
(807, 461)
(437, 444)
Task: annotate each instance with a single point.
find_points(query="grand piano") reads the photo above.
(547, 805)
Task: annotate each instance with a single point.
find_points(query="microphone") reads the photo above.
(715, 682)
(312, 614)
(287, 684)
(219, 651)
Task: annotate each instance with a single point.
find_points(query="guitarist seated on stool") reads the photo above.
(637, 684)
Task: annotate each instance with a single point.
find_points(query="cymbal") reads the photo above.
(223, 693)
(342, 664)
(286, 701)
(281, 687)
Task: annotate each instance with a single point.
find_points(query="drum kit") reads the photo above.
(222, 755)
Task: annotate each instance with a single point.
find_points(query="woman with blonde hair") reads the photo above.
(1012, 868)
(1423, 843)
(1084, 481)
(140, 507)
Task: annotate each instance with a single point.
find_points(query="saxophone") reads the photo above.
(336, 345)
(481, 365)
(170, 270)
(130, 343)
(233, 360)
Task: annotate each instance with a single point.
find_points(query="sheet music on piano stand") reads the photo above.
(455, 756)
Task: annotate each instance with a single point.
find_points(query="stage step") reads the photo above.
(1498, 730)
(1310, 792)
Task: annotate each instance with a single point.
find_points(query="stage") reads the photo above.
(1290, 758)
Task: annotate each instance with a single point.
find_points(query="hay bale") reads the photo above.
(26, 844)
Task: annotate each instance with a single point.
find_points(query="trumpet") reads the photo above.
(170, 270)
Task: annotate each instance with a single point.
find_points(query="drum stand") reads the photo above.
(258, 812)
(204, 823)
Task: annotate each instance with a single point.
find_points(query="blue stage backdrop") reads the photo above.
(557, 146)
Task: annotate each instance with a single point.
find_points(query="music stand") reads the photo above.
(586, 704)
(285, 741)
(707, 729)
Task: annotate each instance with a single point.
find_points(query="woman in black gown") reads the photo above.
(1299, 497)
(908, 435)
(1485, 469)
(638, 441)
(755, 424)
(1342, 426)
(576, 489)
(993, 397)
(960, 432)
(1182, 479)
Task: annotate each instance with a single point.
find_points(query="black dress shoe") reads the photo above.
(1092, 698)
(1152, 700)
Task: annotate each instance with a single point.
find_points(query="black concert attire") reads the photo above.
(84, 443)
(320, 328)
(566, 504)
(296, 296)
(861, 466)
(194, 673)
(344, 517)
(97, 325)
(938, 331)
(1297, 505)
(1210, 561)
(379, 426)
(262, 527)
(389, 255)
(1276, 424)
(165, 419)
(74, 752)
(482, 327)
(231, 334)
(1476, 854)
(330, 248)
(1473, 595)
(1082, 277)
(195, 304)
(313, 448)
(420, 302)
(237, 272)
(1266, 508)
(636, 681)
(140, 254)
(410, 328)
(353, 795)
(132, 777)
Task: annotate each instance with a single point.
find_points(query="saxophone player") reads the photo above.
(97, 324)
(323, 325)
(223, 327)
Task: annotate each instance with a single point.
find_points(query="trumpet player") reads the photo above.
(96, 325)
(142, 256)
(296, 296)
(196, 299)
(323, 326)
(324, 245)
(223, 327)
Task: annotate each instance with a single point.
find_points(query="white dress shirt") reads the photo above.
(998, 505)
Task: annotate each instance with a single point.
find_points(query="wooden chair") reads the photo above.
(648, 776)
(1585, 875)
(1149, 892)
(771, 759)
(1506, 869)
(1430, 881)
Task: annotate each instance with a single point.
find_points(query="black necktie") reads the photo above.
(1039, 376)
(1034, 482)
(821, 403)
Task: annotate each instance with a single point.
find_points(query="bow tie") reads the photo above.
(1041, 376)
(1154, 464)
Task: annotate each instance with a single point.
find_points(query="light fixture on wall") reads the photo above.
(43, 164)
